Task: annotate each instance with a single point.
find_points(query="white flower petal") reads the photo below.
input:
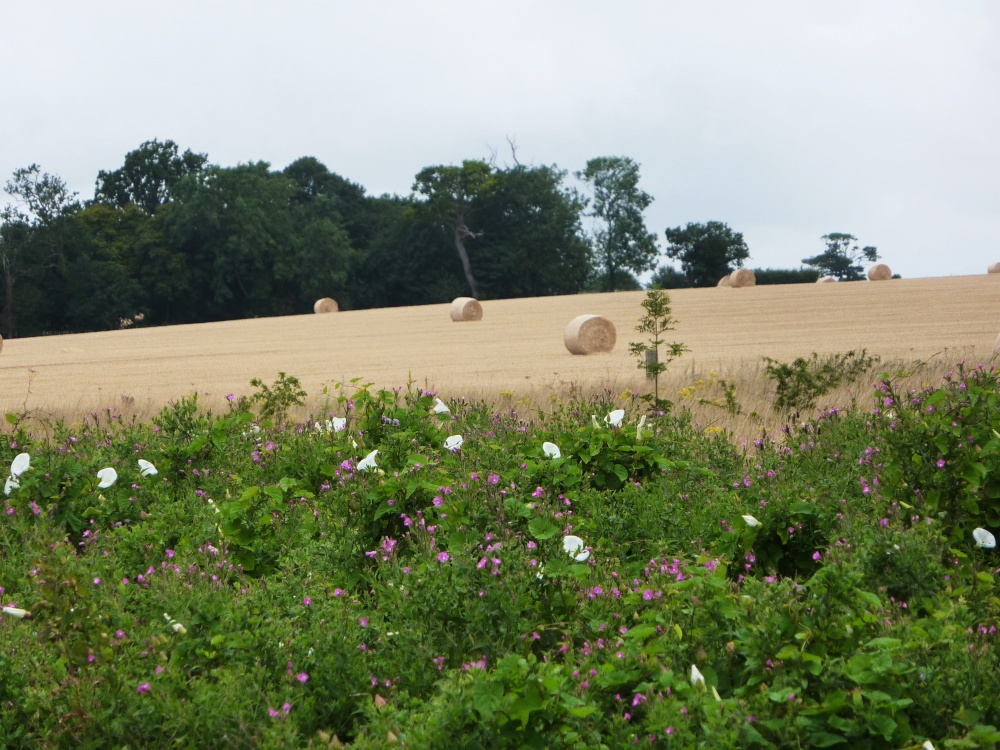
(20, 464)
(614, 419)
(696, 677)
(928, 745)
(551, 450)
(575, 548)
(12, 484)
(146, 468)
(440, 407)
(453, 442)
(984, 538)
(339, 424)
(15, 611)
(368, 462)
(108, 477)
(751, 521)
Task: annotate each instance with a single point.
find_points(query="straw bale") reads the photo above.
(724, 281)
(826, 279)
(994, 268)
(589, 334)
(325, 305)
(742, 277)
(879, 272)
(466, 308)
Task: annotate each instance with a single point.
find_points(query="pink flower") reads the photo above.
(143, 688)
(302, 677)
(443, 557)
(307, 601)
(338, 592)
(817, 556)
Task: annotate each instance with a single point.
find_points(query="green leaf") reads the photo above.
(11, 417)
(542, 528)
(884, 725)
(825, 739)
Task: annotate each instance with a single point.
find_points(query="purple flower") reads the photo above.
(443, 557)
(817, 556)
(940, 463)
(302, 677)
(307, 601)
(143, 688)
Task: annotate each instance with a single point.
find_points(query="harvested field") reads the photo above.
(517, 347)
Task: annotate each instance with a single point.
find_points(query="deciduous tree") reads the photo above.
(842, 257)
(707, 252)
(621, 240)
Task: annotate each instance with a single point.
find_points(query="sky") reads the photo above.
(786, 120)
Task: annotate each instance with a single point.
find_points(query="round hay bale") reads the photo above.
(724, 281)
(742, 277)
(879, 272)
(589, 334)
(325, 305)
(466, 308)
(994, 268)
(826, 279)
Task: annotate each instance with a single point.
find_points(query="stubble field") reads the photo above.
(517, 348)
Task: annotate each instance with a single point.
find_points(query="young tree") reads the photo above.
(706, 251)
(841, 259)
(450, 193)
(621, 240)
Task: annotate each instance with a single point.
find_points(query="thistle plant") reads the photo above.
(657, 321)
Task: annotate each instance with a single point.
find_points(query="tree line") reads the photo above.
(171, 238)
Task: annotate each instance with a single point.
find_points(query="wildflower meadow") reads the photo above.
(410, 569)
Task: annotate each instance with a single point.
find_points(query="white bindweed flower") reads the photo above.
(638, 428)
(12, 484)
(174, 625)
(339, 424)
(551, 450)
(146, 468)
(928, 745)
(593, 421)
(984, 538)
(108, 477)
(574, 547)
(440, 407)
(453, 442)
(614, 419)
(20, 464)
(751, 521)
(697, 679)
(368, 462)
(16, 612)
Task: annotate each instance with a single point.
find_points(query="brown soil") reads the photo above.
(516, 347)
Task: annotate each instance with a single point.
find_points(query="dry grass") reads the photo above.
(517, 347)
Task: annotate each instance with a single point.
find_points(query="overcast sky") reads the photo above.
(787, 120)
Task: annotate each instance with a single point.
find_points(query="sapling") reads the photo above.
(656, 322)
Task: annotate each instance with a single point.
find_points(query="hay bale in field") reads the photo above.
(742, 277)
(879, 272)
(724, 281)
(589, 334)
(466, 308)
(994, 268)
(826, 279)
(325, 305)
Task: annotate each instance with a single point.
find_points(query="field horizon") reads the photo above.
(517, 348)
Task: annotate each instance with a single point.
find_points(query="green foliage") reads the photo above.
(767, 276)
(656, 321)
(798, 385)
(262, 589)
(943, 451)
(707, 252)
(621, 240)
(276, 399)
(841, 259)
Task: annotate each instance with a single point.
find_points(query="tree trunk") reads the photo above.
(460, 233)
